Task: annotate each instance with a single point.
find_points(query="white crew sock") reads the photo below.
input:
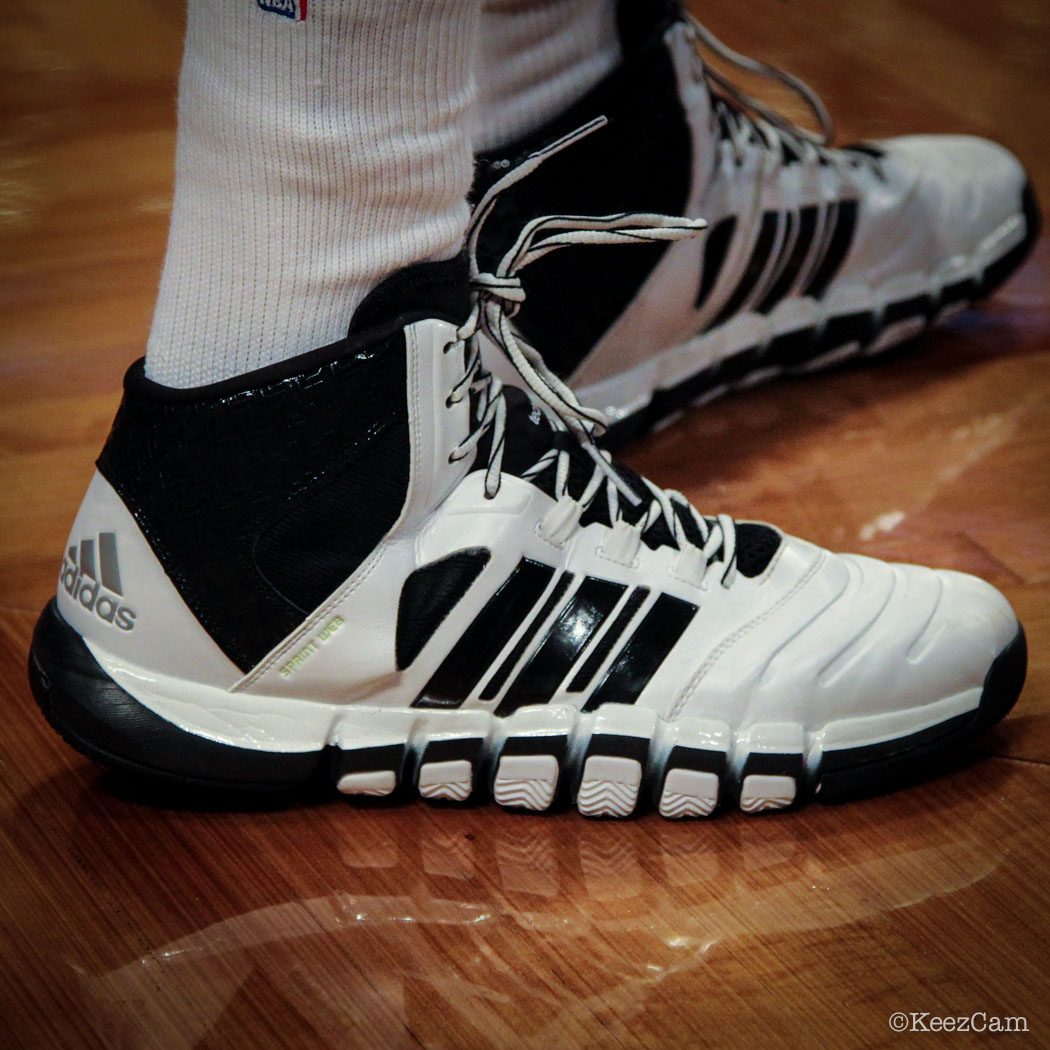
(535, 58)
(313, 158)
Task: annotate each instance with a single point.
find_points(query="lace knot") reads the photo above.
(508, 290)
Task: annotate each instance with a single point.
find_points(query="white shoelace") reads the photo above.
(498, 295)
(744, 114)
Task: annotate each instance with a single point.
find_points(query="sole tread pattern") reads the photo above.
(689, 793)
(526, 781)
(536, 795)
(607, 798)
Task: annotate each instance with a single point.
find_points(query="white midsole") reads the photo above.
(299, 725)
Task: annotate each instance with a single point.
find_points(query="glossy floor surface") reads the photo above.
(125, 922)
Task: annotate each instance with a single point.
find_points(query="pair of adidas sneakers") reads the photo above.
(383, 565)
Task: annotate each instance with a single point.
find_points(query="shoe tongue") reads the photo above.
(529, 436)
(424, 290)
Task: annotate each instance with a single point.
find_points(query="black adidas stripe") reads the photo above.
(565, 640)
(716, 247)
(756, 266)
(807, 228)
(583, 677)
(489, 632)
(775, 272)
(496, 682)
(567, 637)
(644, 652)
(836, 241)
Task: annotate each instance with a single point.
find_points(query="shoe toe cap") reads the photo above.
(933, 641)
(971, 624)
(899, 642)
(974, 187)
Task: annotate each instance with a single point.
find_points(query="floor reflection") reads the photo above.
(352, 919)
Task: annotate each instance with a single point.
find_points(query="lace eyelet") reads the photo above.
(449, 402)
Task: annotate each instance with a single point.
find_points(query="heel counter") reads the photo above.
(114, 593)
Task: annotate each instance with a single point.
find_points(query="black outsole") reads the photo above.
(799, 351)
(98, 718)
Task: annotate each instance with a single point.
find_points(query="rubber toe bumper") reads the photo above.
(856, 772)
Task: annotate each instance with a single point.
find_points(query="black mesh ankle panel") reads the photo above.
(261, 494)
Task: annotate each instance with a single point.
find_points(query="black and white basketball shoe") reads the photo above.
(378, 565)
(814, 255)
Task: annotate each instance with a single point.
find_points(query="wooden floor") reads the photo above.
(126, 923)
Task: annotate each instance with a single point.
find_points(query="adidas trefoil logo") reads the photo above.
(95, 584)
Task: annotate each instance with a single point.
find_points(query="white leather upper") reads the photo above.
(817, 638)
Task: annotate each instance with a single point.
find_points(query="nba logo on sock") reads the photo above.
(294, 9)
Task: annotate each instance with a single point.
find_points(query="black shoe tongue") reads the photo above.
(415, 293)
(755, 546)
(529, 436)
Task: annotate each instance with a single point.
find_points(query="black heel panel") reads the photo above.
(103, 721)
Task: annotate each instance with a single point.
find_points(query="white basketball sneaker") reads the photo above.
(814, 255)
(377, 565)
